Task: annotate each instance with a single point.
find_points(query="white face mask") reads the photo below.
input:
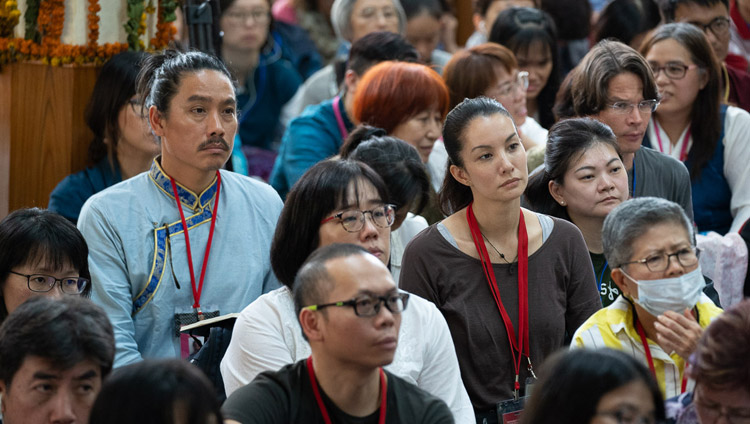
(670, 294)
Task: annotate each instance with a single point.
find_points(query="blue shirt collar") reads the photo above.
(187, 197)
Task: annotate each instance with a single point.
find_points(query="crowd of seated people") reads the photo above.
(502, 232)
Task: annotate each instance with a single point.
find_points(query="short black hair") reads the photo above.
(572, 382)
(161, 75)
(396, 161)
(313, 281)
(164, 386)
(63, 331)
(668, 7)
(378, 47)
(320, 191)
(30, 235)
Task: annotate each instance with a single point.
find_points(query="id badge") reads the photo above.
(190, 343)
(509, 411)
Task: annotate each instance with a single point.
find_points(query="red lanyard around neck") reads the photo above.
(197, 290)
(683, 151)
(522, 345)
(649, 358)
(319, 399)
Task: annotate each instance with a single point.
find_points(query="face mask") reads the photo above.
(670, 294)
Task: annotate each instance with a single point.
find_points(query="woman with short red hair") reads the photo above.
(409, 101)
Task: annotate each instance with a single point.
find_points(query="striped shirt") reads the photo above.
(614, 327)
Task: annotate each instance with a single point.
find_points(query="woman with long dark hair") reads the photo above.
(123, 144)
(531, 35)
(692, 125)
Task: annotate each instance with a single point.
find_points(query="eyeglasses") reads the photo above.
(713, 411)
(628, 414)
(719, 26)
(673, 71)
(354, 220)
(660, 262)
(369, 306)
(521, 81)
(372, 13)
(259, 16)
(625, 108)
(137, 107)
(41, 283)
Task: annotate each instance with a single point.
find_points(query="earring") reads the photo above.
(562, 203)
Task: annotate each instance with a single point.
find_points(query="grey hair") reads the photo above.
(341, 18)
(631, 219)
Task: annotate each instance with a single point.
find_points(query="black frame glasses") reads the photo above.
(369, 306)
(719, 26)
(49, 281)
(626, 108)
(673, 71)
(353, 220)
(660, 262)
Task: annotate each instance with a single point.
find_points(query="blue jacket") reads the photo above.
(71, 193)
(310, 138)
(273, 83)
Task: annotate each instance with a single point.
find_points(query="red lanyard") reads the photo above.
(197, 290)
(339, 118)
(649, 358)
(319, 399)
(683, 152)
(522, 345)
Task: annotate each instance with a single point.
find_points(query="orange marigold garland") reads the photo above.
(51, 20)
(93, 20)
(165, 29)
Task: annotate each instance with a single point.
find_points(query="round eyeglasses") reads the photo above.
(660, 262)
(41, 283)
(369, 306)
(673, 71)
(354, 220)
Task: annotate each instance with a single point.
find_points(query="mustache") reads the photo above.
(213, 142)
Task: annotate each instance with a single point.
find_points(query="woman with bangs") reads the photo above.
(409, 101)
(491, 70)
(693, 126)
(339, 201)
(531, 35)
(41, 254)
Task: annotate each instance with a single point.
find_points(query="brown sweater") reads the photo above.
(562, 295)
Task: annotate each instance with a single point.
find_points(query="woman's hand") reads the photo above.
(678, 333)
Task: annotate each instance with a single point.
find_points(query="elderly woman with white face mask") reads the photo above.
(662, 311)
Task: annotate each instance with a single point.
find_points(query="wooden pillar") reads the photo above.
(43, 136)
(464, 13)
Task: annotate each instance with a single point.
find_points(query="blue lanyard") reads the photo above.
(601, 277)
